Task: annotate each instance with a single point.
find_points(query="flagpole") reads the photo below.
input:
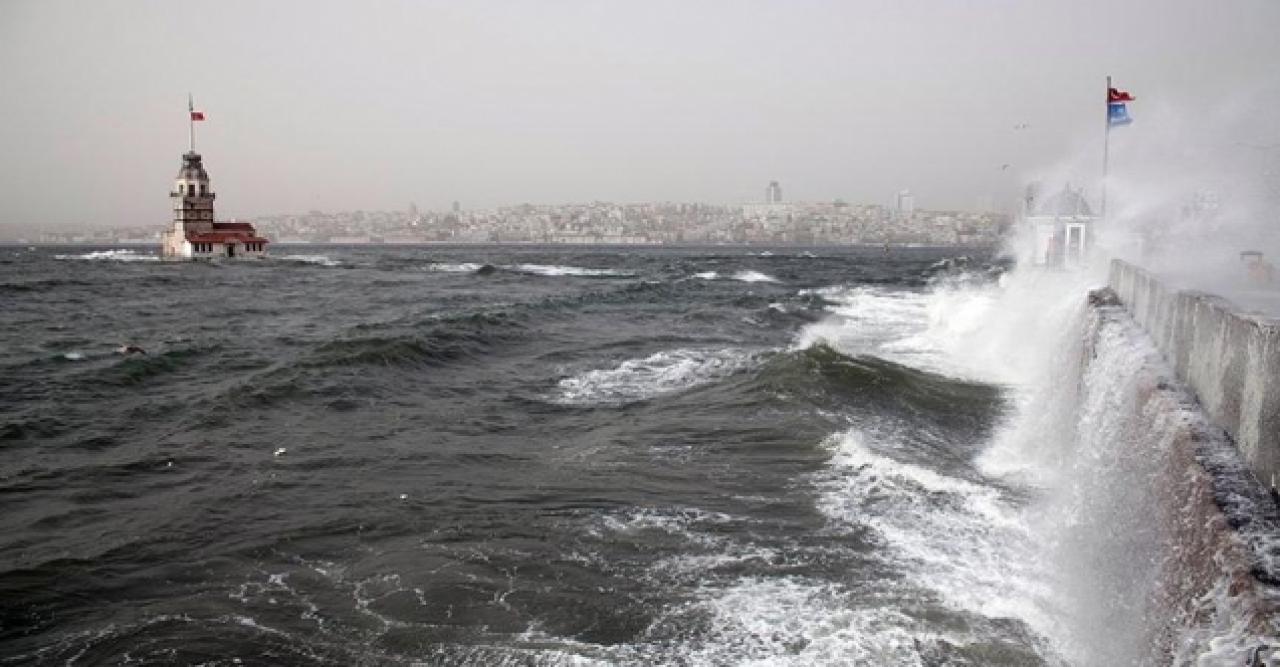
(1106, 145)
(191, 121)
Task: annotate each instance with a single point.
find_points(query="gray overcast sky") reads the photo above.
(344, 105)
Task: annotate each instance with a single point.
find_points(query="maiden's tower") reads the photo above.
(194, 234)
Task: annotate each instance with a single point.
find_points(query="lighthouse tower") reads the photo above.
(192, 207)
(194, 233)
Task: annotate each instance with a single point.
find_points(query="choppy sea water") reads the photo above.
(505, 456)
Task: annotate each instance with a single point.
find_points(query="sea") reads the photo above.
(526, 455)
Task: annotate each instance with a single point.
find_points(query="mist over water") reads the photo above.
(1189, 187)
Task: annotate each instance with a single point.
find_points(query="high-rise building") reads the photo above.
(905, 204)
(773, 193)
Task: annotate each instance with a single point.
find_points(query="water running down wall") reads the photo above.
(1173, 546)
(1229, 357)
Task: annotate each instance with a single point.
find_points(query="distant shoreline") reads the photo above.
(536, 244)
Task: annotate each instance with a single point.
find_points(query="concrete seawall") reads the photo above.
(1201, 536)
(1229, 357)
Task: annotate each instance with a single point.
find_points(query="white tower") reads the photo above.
(192, 204)
(193, 232)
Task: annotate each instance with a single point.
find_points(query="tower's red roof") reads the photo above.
(233, 226)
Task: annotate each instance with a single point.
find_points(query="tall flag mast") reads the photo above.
(195, 116)
(1117, 115)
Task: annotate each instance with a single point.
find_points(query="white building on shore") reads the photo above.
(1059, 226)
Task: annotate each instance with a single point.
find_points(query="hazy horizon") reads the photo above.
(337, 106)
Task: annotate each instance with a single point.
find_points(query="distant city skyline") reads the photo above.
(772, 196)
(342, 106)
(754, 223)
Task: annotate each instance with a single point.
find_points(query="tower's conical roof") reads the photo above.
(1067, 202)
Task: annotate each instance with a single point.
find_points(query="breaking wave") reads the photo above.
(827, 377)
(119, 255)
(547, 270)
(575, 271)
(319, 260)
(455, 267)
(965, 539)
(753, 277)
(744, 276)
(660, 373)
(794, 621)
(747, 606)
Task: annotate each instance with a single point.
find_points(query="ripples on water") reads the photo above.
(497, 456)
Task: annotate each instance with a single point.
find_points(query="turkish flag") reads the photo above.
(1117, 95)
(197, 115)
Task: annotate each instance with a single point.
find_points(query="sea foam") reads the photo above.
(576, 271)
(659, 373)
(740, 276)
(320, 260)
(119, 255)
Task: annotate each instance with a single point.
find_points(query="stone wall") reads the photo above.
(1229, 357)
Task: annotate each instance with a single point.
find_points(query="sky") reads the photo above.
(375, 105)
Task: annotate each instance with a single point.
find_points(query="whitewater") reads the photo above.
(492, 455)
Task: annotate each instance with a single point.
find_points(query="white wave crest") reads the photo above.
(660, 373)
(556, 270)
(741, 276)
(963, 539)
(759, 620)
(796, 621)
(120, 255)
(320, 260)
(460, 267)
(938, 330)
(754, 277)
(876, 321)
